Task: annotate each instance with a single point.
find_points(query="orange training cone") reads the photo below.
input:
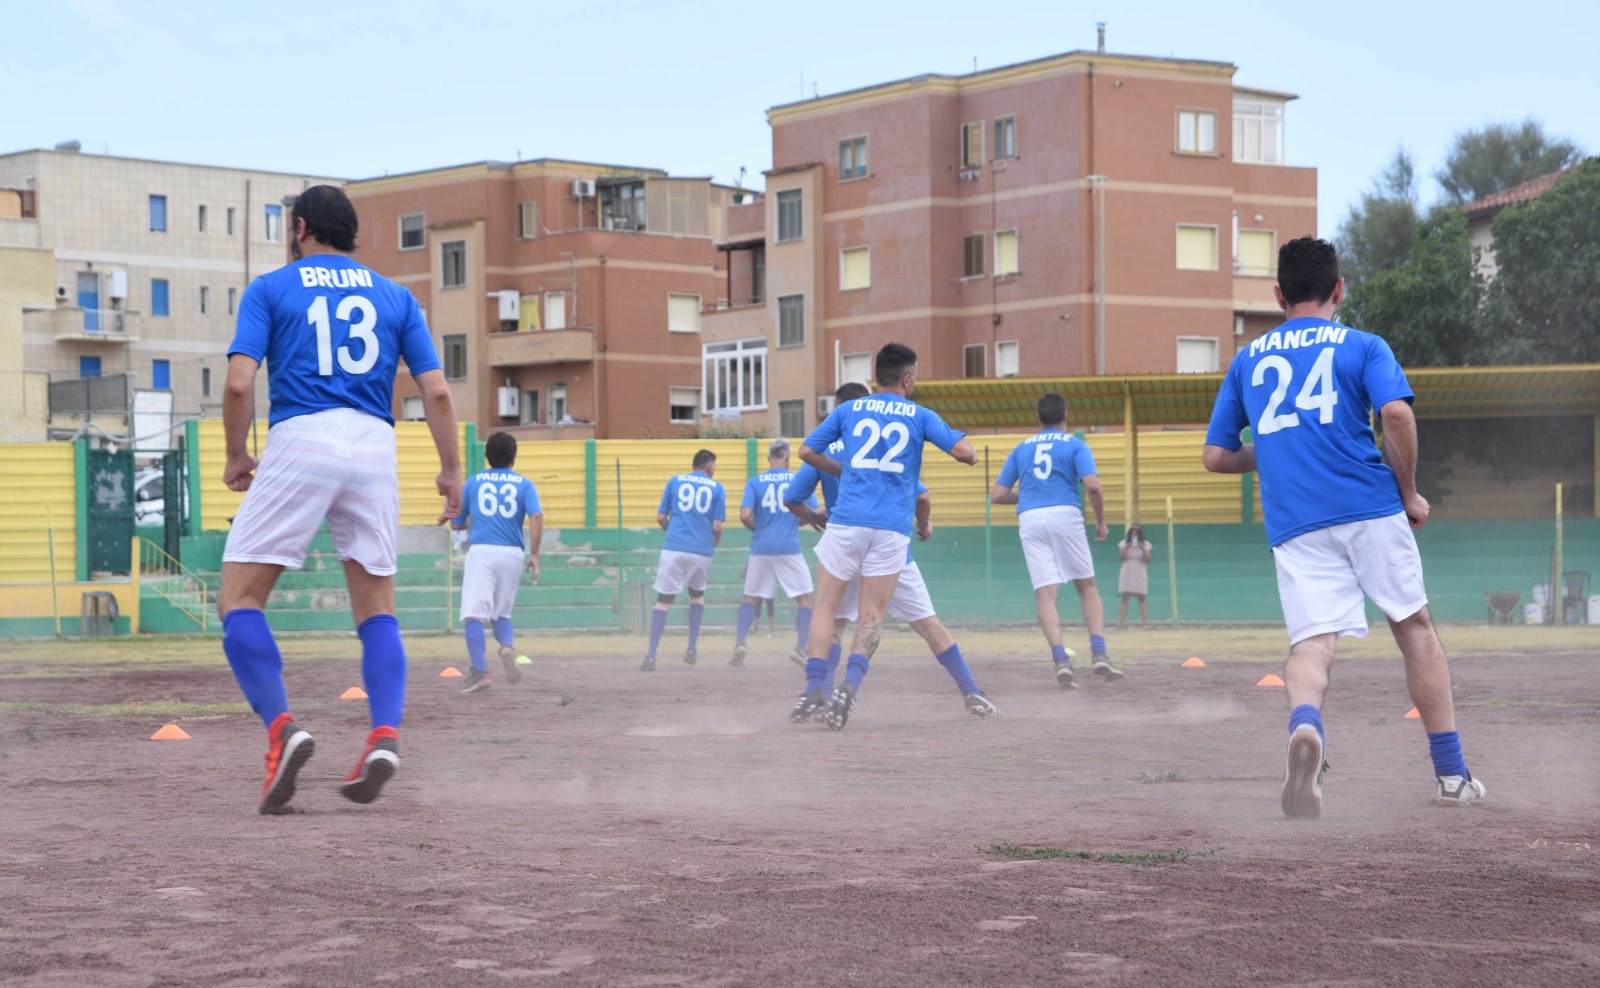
(171, 732)
(1193, 662)
(450, 671)
(1413, 714)
(353, 693)
(1270, 679)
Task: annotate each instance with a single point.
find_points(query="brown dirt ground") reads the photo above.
(675, 829)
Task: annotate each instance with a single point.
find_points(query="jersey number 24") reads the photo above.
(1316, 394)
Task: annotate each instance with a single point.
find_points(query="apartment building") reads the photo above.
(1086, 213)
(150, 259)
(565, 297)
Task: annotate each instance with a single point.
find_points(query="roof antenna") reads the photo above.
(1100, 28)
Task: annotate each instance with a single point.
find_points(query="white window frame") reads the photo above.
(1177, 137)
(566, 321)
(400, 231)
(723, 370)
(849, 250)
(844, 361)
(270, 232)
(530, 406)
(859, 166)
(552, 394)
(679, 329)
(411, 409)
(1016, 349)
(997, 121)
(1216, 353)
(1216, 247)
(1017, 239)
(674, 393)
(1259, 112)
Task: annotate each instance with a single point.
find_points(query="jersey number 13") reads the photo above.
(361, 316)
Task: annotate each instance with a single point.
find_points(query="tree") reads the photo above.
(1377, 233)
(1500, 156)
(1428, 305)
(1544, 304)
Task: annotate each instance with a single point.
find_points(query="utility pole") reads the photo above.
(1098, 184)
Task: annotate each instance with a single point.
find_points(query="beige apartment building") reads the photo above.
(1086, 213)
(149, 261)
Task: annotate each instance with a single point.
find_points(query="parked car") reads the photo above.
(149, 497)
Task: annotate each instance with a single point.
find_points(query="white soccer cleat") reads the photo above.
(1454, 790)
(1302, 775)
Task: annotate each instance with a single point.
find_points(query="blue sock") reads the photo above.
(1306, 714)
(697, 613)
(802, 627)
(835, 653)
(503, 633)
(658, 624)
(956, 666)
(383, 669)
(257, 664)
(1058, 653)
(1445, 747)
(476, 645)
(856, 671)
(818, 676)
(1097, 643)
(747, 617)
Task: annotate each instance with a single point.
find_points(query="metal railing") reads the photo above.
(180, 586)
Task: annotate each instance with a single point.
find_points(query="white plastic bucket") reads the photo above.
(1594, 609)
(1541, 593)
(1533, 613)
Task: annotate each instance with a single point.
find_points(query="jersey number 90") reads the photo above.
(693, 497)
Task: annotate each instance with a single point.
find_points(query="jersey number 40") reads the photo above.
(1317, 394)
(360, 328)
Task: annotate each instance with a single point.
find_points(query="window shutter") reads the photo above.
(1197, 248)
(1256, 254)
(683, 313)
(857, 269)
(972, 145)
(1005, 252)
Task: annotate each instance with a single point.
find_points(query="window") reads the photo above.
(855, 268)
(455, 356)
(453, 264)
(530, 407)
(791, 321)
(233, 299)
(792, 417)
(683, 313)
(1005, 252)
(1258, 132)
(1005, 138)
(1197, 355)
(974, 360)
(202, 219)
(527, 220)
(205, 299)
(205, 382)
(1197, 132)
(558, 404)
(1006, 362)
(683, 405)
(972, 145)
(88, 366)
(734, 375)
(1197, 248)
(230, 221)
(161, 375)
(411, 410)
(1257, 253)
(791, 224)
(413, 231)
(855, 368)
(622, 208)
(973, 250)
(555, 310)
(158, 296)
(158, 214)
(272, 228)
(853, 158)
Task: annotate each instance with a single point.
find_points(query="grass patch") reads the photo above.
(1169, 775)
(1178, 856)
(161, 708)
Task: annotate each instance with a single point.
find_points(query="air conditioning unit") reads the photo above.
(62, 292)
(510, 403)
(119, 285)
(583, 188)
(510, 304)
(824, 405)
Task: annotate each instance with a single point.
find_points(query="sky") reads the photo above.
(359, 89)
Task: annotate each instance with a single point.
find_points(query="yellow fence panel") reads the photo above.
(33, 475)
(557, 470)
(648, 463)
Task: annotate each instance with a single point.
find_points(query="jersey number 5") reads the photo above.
(1316, 395)
(1042, 464)
(360, 329)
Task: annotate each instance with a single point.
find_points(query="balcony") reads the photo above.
(68, 323)
(534, 347)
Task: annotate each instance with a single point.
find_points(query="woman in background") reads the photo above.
(1134, 580)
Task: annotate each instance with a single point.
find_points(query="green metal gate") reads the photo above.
(110, 510)
(175, 489)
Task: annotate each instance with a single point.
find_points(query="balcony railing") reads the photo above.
(69, 322)
(534, 347)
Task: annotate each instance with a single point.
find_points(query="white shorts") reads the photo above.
(679, 570)
(910, 602)
(1055, 545)
(489, 581)
(849, 551)
(764, 572)
(336, 465)
(1323, 574)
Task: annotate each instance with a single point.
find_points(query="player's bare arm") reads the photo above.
(661, 519)
(716, 533)
(821, 462)
(1001, 494)
(1219, 460)
(439, 407)
(535, 539)
(816, 518)
(747, 518)
(238, 410)
(1400, 450)
(1097, 500)
(962, 452)
(924, 517)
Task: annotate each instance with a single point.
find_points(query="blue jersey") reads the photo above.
(882, 458)
(777, 530)
(331, 333)
(691, 502)
(1306, 389)
(498, 502)
(1048, 466)
(805, 484)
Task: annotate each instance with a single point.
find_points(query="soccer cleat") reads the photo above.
(980, 706)
(1302, 775)
(1454, 790)
(798, 658)
(1102, 667)
(477, 682)
(689, 656)
(739, 652)
(844, 698)
(378, 763)
(649, 664)
(508, 658)
(288, 748)
(1064, 676)
(811, 703)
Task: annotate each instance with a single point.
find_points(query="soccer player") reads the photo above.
(331, 333)
(1338, 519)
(775, 556)
(495, 504)
(1045, 469)
(869, 529)
(693, 507)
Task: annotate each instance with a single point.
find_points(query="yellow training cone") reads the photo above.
(171, 732)
(353, 693)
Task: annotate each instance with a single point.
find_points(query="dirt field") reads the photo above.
(675, 829)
